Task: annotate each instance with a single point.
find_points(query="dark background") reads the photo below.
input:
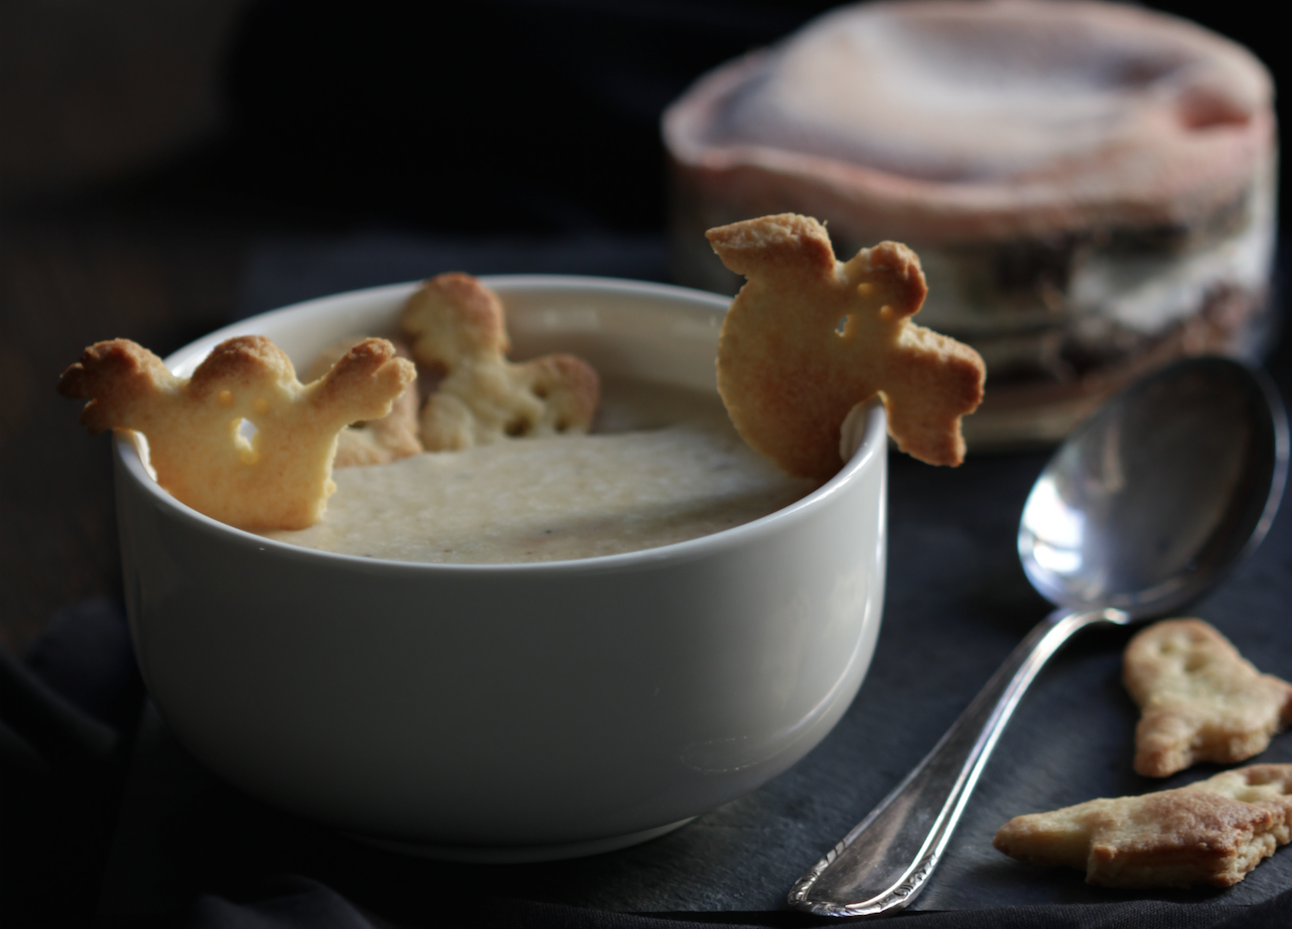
(149, 149)
(538, 116)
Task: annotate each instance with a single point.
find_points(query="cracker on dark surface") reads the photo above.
(1200, 699)
(1212, 832)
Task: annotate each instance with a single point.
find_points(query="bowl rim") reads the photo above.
(127, 456)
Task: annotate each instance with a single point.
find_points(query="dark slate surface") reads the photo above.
(957, 603)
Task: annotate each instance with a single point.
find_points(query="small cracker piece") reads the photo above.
(808, 338)
(457, 329)
(1201, 700)
(379, 441)
(1212, 832)
(281, 477)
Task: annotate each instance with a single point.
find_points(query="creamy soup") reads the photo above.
(664, 465)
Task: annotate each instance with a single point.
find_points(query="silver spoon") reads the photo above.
(1141, 510)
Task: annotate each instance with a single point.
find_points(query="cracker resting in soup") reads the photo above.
(508, 472)
(279, 478)
(664, 465)
(458, 331)
(378, 441)
(512, 476)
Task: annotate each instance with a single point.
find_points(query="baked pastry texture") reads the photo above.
(1212, 832)
(281, 477)
(809, 337)
(380, 441)
(1118, 214)
(457, 330)
(1201, 700)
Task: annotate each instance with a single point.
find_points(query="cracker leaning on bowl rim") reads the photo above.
(457, 328)
(1210, 832)
(1200, 699)
(809, 337)
(281, 477)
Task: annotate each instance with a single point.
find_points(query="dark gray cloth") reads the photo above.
(291, 901)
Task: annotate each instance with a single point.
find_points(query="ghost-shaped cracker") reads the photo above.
(379, 441)
(1200, 700)
(281, 477)
(457, 329)
(1212, 832)
(808, 338)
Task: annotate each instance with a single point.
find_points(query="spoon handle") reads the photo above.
(888, 857)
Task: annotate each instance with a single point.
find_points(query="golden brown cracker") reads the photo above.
(278, 479)
(1200, 699)
(1212, 832)
(808, 338)
(457, 328)
(380, 441)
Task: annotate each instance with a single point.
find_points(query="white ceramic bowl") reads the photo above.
(510, 712)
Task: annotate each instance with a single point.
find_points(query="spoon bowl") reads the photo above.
(1150, 501)
(1144, 507)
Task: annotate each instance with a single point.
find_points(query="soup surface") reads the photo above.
(663, 465)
